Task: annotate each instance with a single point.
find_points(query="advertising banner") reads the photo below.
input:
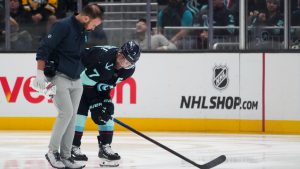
(189, 85)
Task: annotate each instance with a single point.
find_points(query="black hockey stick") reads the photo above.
(208, 165)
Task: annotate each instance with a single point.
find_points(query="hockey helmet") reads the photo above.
(131, 51)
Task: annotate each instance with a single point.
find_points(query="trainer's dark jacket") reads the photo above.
(65, 41)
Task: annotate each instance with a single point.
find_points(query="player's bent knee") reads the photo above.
(97, 119)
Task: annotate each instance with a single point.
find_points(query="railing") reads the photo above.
(225, 46)
(119, 24)
(128, 15)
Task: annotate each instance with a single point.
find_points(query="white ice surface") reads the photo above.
(26, 150)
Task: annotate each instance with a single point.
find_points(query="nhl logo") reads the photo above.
(220, 77)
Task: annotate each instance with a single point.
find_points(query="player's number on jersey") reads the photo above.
(96, 74)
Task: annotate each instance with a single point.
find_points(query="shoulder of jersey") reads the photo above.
(107, 52)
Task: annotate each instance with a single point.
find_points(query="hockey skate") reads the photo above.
(77, 155)
(71, 164)
(108, 158)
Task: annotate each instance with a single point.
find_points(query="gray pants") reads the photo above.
(66, 100)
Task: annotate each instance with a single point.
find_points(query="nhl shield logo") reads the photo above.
(220, 77)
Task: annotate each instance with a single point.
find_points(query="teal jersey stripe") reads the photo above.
(109, 126)
(79, 128)
(86, 80)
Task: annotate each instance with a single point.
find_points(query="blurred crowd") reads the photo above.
(180, 24)
(30, 20)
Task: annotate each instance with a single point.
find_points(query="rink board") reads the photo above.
(218, 92)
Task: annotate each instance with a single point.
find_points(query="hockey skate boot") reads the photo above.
(108, 158)
(77, 155)
(71, 164)
(54, 160)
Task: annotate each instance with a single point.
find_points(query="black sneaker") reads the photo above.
(77, 155)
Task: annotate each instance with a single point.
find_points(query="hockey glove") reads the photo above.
(101, 111)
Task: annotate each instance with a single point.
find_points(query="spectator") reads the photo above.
(230, 4)
(262, 36)
(296, 31)
(197, 7)
(256, 6)
(158, 41)
(15, 10)
(66, 6)
(42, 16)
(296, 15)
(234, 6)
(14, 26)
(175, 14)
(22, 39)
(221, 17)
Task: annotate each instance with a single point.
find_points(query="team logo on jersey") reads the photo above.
(108, 66)
(49, 36)
(220, 77)
(104, 87)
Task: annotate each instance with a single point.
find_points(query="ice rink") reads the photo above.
(25, 150)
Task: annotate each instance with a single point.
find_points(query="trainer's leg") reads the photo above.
(63, 103)
(66, 144)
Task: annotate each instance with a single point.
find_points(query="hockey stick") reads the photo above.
(208, 165)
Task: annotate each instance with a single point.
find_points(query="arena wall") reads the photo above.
(207, 92)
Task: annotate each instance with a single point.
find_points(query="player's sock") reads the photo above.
(77, 138)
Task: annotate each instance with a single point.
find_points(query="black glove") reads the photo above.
(101, 111)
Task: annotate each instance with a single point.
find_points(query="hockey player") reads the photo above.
(106, 66)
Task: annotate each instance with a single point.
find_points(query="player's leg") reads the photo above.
(107, 156)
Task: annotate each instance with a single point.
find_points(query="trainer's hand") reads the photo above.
(50, 90)
(40, 81)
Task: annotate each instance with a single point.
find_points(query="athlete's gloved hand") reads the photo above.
(39, 83)
(101, 111)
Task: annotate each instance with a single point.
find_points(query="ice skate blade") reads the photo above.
(108, 163)
(79, 158)
(76, 168)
